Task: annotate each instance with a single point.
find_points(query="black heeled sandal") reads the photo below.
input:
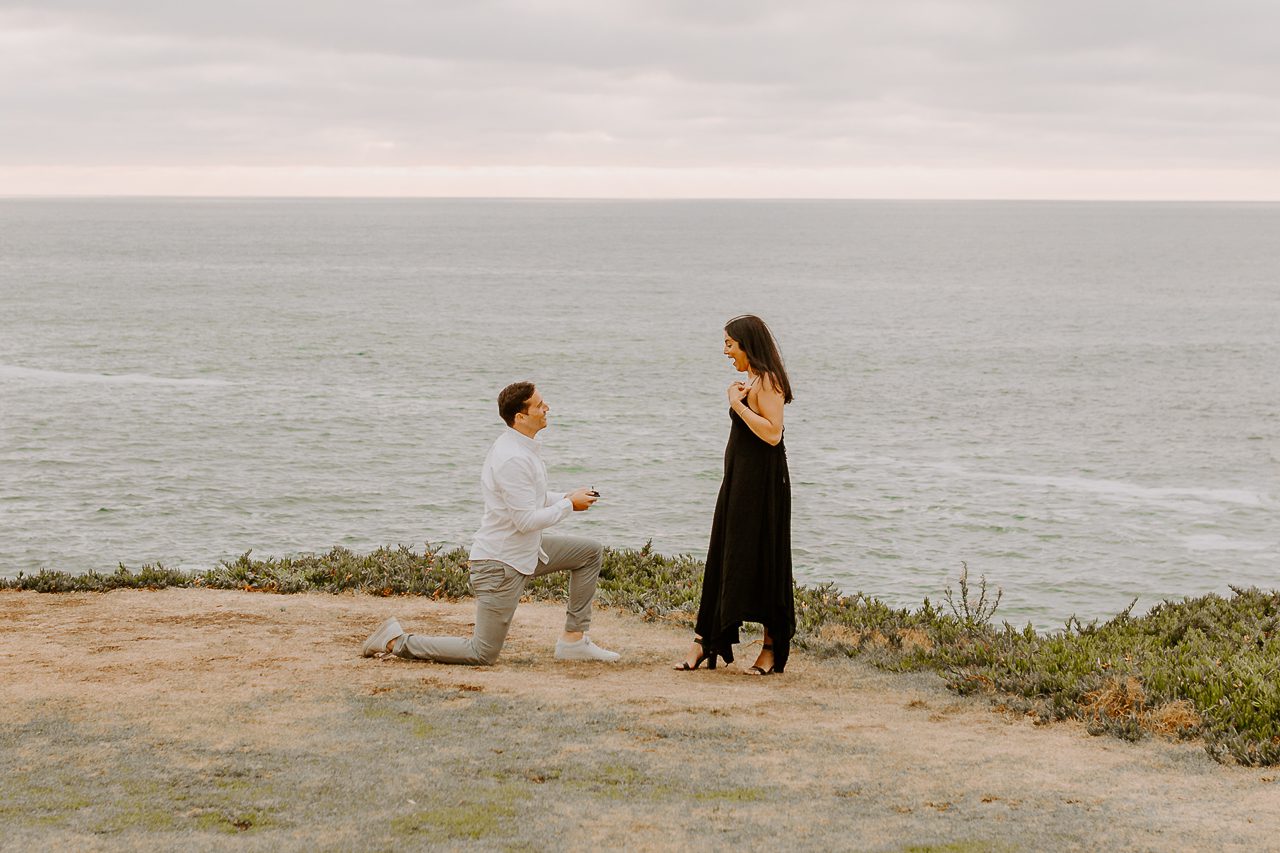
(756, 670)
(706, 655)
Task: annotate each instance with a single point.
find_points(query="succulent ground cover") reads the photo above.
(1206, 667)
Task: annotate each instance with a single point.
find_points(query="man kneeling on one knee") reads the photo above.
(510, 547)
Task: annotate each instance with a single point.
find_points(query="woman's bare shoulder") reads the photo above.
(768, 388)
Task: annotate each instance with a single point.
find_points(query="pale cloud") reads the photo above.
(827, 98)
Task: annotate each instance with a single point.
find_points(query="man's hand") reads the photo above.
(583, 499)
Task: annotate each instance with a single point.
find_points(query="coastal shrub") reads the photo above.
(150, 576)
(1207, 667)
(386, 571)
(973, 613)
(1204, 666)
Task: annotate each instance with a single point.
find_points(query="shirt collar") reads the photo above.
(523, 440)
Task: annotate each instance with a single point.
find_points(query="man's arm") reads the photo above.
(529, 510)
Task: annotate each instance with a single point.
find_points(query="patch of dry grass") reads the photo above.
(1174, 719)
(1119, 697)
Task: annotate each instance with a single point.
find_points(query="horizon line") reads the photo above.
(356, 197)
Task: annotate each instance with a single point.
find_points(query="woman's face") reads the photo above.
(735, 354)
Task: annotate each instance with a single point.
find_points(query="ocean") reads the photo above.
(1080, 401)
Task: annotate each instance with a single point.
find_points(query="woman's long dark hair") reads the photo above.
(761, 349)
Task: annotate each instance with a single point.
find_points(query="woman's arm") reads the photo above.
(767, 423)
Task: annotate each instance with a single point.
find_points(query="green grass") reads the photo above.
(620, 782)
(1206, 667)
(956, 847)
(732, 795)
(479, 813)
(233, 820)
(412, 723)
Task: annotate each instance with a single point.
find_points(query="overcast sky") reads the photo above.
(895, 98)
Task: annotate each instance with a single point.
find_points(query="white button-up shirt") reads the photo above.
(517, 505)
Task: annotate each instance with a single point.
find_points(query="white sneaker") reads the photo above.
(584, 649)
(377, 642)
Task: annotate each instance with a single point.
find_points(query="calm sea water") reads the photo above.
(1082, 401)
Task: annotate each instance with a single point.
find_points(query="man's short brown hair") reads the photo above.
(513, 400)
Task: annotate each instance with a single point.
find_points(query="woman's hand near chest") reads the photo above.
(760, 409)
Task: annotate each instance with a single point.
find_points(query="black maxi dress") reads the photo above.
(748, 574)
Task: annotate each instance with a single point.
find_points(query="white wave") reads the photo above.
(1120, 489)
(1218, 542)
(32, 374)
(1241, 497)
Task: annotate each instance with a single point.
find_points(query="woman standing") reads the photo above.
(748, 572)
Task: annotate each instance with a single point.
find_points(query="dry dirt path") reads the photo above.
(201, 719)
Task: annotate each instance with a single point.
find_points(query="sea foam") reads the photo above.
(1122, 490)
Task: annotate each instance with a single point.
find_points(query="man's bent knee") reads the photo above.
(487, 655)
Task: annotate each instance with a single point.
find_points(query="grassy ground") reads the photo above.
(1201, 668)
(228, 720)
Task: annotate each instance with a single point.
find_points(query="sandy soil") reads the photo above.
(218, 720)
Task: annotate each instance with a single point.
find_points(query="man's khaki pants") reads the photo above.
(497, 588)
